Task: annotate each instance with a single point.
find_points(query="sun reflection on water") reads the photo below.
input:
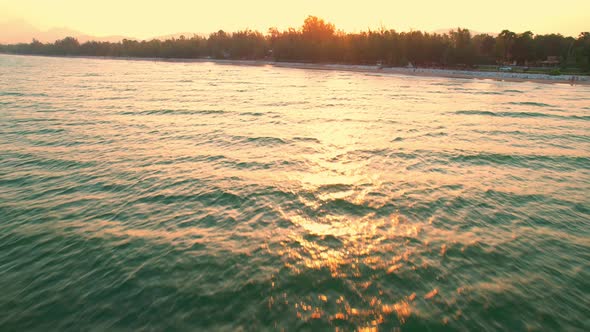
(353, 249)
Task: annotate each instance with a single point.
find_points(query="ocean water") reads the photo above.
(156, 196)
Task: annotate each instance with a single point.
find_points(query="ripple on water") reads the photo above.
(173, 112)
(344, 205)
(522, 115)
(529, 103)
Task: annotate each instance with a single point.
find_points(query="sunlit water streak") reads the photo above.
(183, 196)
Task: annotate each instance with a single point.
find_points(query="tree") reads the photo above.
(484, 46)
(462, 48)
(317, 38)
(218, 44)
(505, 42)
(319, 41)
(316, 29)
(523, 48)
(67, 46)
(582, 45)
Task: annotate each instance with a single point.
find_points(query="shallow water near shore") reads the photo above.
(140, 195)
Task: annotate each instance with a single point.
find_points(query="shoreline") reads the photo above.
(446, 73)
(423, 72)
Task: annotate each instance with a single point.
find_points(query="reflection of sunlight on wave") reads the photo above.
(367, 253)
(340, 243)
(341, 232)
(366, 319)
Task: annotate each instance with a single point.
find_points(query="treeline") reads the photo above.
(319, 41)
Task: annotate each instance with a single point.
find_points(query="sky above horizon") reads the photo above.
(145, 19)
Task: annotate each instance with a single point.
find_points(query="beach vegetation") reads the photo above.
(318, 41)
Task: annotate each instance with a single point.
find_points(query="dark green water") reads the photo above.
(148, 196)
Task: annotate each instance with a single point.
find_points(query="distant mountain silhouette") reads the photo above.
(19, 31)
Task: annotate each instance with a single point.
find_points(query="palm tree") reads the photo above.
(507, 38)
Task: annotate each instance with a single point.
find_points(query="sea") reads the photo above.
(202, 196)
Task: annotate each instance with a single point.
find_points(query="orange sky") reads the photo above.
(144, 19)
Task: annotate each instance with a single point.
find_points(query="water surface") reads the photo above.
(139, 195)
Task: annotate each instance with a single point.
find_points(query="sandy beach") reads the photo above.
(428, 72)
(465, 74)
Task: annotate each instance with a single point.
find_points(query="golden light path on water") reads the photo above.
(206, 196)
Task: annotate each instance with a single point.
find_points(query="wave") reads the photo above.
(286, 103)
(435, 134)
(20, 94)
(255, 140)
(307, 139)
(39, 132)
(252, 113)
(212, 197)
(530, 103)
(476, 113)
(31, 160)
(8, 93)
(530, 161)
(535, 136)
(173, 112)
(487, 93)
(264, 140)
(522, 115)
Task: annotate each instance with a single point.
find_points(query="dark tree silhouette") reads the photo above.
(320, 41)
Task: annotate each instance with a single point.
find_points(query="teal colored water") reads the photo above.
(138, 195)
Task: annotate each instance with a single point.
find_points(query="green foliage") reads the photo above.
(320, 41)
(523, 47)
